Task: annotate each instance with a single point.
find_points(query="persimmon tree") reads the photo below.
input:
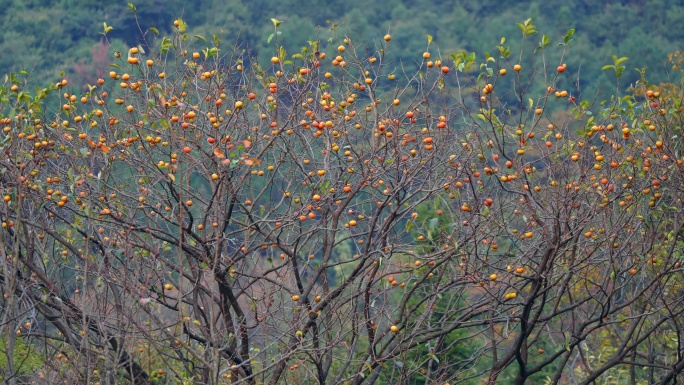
(327, 217)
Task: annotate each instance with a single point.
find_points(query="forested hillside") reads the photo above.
(46, 37)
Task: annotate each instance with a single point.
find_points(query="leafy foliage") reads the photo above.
(46, 37)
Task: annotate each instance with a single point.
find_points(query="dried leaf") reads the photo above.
(219, 153)
(252, 161)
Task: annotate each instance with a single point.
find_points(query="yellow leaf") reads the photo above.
(172, 177)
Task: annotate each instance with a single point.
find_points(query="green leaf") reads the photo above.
(200, 37)
(527, 27)
(131, 7)
(270, 37)
(276, 23)
(165, 45)
(212, 52)
(153, 30)
(432, 224)
(545, 40)
(568, 36)
(505, 52)
(457, 58)
(182, 26)
(429, 39)
(107, 28)
(619, 69)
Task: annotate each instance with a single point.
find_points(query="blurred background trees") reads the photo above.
(50, 36)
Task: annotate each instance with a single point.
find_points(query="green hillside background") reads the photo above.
(46, 37)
